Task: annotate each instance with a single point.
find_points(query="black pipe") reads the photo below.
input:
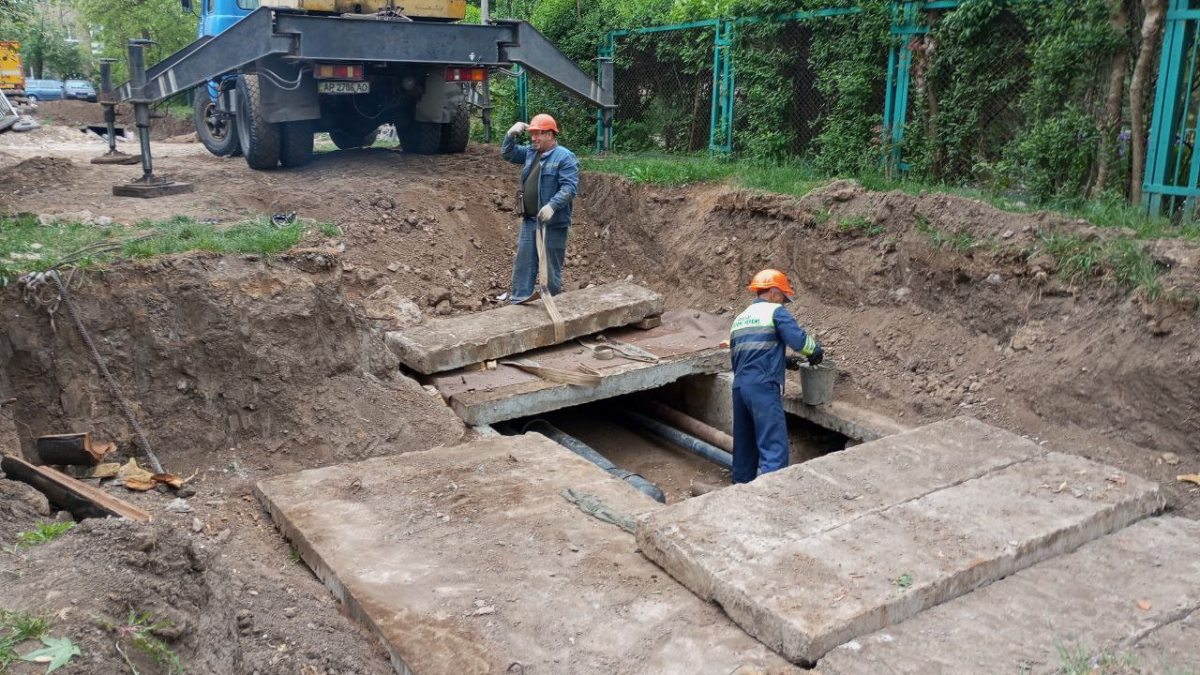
(706, 450)
(583, 450)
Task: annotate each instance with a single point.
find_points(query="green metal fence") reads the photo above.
(1172, 182)
(935, 94)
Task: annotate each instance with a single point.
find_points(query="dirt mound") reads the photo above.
(208, 597)
(82, 113)
(259, 362)
(37, 173)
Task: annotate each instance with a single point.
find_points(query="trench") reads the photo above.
(606, 427)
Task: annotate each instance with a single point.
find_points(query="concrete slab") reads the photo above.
(446, 344)
(709, 398)
(686, 342)
(465, 560)
(1087, 602)
(817, 554)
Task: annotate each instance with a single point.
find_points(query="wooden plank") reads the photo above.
(446, 344)
(82, 500)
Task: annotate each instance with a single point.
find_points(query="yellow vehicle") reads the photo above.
(12, 79)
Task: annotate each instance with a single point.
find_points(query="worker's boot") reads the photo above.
(704, 488)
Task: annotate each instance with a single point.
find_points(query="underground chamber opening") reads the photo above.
(660, 445)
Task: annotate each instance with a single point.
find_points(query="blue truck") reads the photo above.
(267, 77)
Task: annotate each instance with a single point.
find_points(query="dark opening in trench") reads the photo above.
(606, 427)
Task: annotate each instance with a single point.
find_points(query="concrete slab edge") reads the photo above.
(1111, 519)
(322, 571)
(563, 396)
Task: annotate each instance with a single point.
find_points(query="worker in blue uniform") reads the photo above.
(757, 343)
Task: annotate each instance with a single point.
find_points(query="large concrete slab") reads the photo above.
(817, 554)
(1086, 602)
(465, 560)
(687, 343)
(446, 344)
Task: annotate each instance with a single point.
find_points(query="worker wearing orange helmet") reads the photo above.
(549, 183)
(757, 344)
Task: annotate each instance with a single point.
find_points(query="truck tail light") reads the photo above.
(330, 71)
(466, 74)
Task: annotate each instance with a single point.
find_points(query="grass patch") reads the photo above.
(662, 170)
(44, 532)
(137, 634)
(862, 224)
(27, 246)
(15, 628)
(1124, 260)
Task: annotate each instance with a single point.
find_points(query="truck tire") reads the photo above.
(218, 134)
(258, 138)
(420, 138)
(457, 132)
(346, 140)
(296, 143)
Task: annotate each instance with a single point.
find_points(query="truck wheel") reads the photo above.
(420, 138)
(33, 98)
(456, 132)
(215, 131)
(258, 138)
(296, 144)
(346, 140)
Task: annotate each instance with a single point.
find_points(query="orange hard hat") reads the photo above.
(767, 279)
(543, 122)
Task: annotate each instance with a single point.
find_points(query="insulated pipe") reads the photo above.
(583, 450)
(706, 450)
(690, 425)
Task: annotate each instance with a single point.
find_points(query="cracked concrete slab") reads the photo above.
(446, 344)
(1133, 593)
(466, 559)
(813, 556)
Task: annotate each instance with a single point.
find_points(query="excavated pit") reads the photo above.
(245, 368)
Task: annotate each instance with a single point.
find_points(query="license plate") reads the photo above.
(328, 87)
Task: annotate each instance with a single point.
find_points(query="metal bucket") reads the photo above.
(817, 383)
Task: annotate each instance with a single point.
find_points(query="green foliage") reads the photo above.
(44, 532)
(138, 632)
(162, 21)
(1123, 261)
(50, 46)
(15, 628)
(56, 654)
(26, 245)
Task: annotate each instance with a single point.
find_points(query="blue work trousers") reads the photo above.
(525, 265)
(760, 438)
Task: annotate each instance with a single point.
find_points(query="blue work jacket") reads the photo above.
(559, 181)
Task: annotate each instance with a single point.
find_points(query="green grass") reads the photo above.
(681, 170)
(137, 632)
(1124, 260)
(15, 628)
(44, 532)
(27, 246)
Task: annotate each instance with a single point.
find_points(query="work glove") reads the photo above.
(545, 214)
(817, 357)
(793, 362)
(518, 128)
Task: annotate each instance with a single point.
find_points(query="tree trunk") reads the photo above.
(1119, 20)
(1151, 31)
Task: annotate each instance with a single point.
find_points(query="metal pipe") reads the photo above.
(107, 99)
(141, 109)
(583, 450)
(691, 425)
(706, 450)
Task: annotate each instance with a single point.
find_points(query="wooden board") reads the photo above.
(81, 499)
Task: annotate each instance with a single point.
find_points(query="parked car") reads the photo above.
(79, 89)
(44, 90)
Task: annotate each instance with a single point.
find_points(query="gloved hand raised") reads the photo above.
(817, 357)
(545, 214)
(518, 128)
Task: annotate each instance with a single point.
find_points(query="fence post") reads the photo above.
(895, 111)
(721, 112)
(605, 54)
(1166, 122)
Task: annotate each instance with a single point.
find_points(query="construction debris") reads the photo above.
(76, 449)
(64, 492)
